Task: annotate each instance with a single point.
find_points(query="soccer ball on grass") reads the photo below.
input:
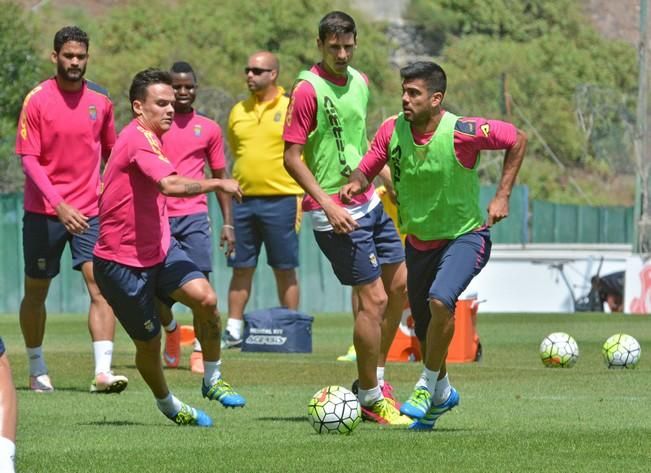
(621, 351)
(334, 410)
(559, 350)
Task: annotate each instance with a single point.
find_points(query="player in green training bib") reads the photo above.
(433, 157)
(326, 124)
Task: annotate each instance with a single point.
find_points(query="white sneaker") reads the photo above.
(229, 341)
(109, 383)
(41, 383)
(7, 464)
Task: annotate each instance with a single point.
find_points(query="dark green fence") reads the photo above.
(513, 229)
(559, 223)
(320, 291)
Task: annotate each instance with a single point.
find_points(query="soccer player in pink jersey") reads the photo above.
(326, 123)
(433, 157)
(65, 129)
(136, 261)
(192, 142)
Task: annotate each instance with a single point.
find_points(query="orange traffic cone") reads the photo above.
(187, 335)
(465, 346)
(405, 346)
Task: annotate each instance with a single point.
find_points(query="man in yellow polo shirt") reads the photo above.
(270, 211)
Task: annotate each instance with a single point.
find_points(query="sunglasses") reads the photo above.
(256, 70)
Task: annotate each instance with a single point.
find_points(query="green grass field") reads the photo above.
(514, 416)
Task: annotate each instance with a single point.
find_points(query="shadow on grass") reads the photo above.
(112, 423)
(69, 389)
(442, 431)
(130, 366)
(282, 419)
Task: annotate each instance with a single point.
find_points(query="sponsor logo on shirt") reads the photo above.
(338, 132)
(466, 127)
(92, 112)
(394, 164)
(197, 130)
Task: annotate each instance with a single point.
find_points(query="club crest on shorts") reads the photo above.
(373, 259)
(149, 326)
(42, 264)
(197, 130)
(92, 112)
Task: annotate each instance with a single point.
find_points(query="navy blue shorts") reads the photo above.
(357, 257)
(443, 273)
(131, 292)
(194, 235)
(274, 221)
(45, 238)
(2, 347)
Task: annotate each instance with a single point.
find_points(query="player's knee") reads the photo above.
(204, 301)
(286, 276)
(441, 309)
(36, 291)
(244, 274)
(208, 301)
(398, 289)
(149, 347)
(378, 300)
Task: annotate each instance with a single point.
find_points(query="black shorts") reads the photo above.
(132, 292)
(443, 273)
(45, 238)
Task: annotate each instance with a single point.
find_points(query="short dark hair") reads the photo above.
(70, 33)
(337, 22)
(182, 67)
(430, 72)
(143, 79)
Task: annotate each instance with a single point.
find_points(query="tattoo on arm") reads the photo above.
(193, 188)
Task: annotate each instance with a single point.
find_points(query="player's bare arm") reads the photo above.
(387, 182)
(338, 217)
(179, 186)
(227, 236)
(357, 184)
(72, 219)
(498, 208)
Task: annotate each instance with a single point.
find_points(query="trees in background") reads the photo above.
(21, 68)
(217, 38)
(576, 88)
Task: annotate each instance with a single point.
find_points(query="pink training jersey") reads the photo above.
(134, 228)
(191, 142)
(300, 121)
(471, 135)
(69, 132)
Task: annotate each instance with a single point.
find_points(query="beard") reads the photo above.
(71, 75)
